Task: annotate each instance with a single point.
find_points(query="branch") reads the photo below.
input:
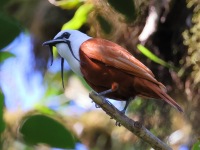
(134, 126)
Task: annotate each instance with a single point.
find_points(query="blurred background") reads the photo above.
(37, 113)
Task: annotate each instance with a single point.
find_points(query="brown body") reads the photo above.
(104, 63)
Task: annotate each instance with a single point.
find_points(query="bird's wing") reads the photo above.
(116, 56)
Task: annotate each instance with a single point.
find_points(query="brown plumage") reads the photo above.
(104, 63)
(108, 67)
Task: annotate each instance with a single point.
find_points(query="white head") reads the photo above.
(68, 43)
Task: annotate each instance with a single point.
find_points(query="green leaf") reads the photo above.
(153, 57)
(127, 8)
(79, 18)
(9, 30)
(3, 3)
(68, 4)
(37, 129)
(45, 110)
(196, 146)
(2, 123)
(5, 55)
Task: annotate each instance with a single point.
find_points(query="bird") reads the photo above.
(108, 68)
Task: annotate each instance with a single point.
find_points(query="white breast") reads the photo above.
(63, 49)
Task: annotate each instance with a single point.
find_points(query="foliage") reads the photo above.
(196, 146)
(2, 123)
(79, 18)
(8, 25)
(191, 39)
(66, 4)
(153, 57)
(37, 129)
(5, 55)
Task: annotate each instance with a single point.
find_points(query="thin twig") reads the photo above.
(134, 126)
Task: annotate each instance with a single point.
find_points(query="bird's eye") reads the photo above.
(66, 35)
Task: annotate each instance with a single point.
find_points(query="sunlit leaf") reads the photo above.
(68, 4)
(2, 123)
(45, 110)
(79, 18)
(39, 129)
(196, 146)
(9, 30)
(5, 55)
(153, 57)
(127, 8)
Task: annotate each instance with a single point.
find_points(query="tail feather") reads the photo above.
(151, 90)
(169, 100)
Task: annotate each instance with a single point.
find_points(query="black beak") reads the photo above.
(52, 43)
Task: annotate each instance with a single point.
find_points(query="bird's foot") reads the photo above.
(123, 111)
(105, 92)
(101, 94)
(109, 103)
(118, 124)
(97, 106)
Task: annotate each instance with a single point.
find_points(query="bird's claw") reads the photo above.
(97, 106)
(109, 103)
(118, 124)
